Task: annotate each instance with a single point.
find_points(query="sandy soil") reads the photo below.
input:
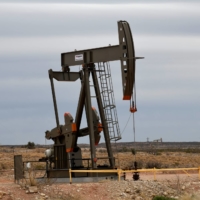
(86, 191)
(103, 190)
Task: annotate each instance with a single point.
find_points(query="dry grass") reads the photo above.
(190, 197)
(7, 156)
(31, 178)
(126, 159)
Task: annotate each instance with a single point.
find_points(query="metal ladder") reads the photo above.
(109, 106)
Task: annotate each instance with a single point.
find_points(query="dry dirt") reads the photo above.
(172, 185)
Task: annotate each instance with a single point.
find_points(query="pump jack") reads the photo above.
(67, 154)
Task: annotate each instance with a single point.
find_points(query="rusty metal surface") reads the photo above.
(18, 167)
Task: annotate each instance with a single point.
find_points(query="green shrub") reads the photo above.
(133, 151)
(31, 145)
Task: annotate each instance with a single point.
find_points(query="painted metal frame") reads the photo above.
(123, 52)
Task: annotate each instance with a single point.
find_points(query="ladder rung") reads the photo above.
(106, 90)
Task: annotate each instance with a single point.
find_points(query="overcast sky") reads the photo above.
(33, 34)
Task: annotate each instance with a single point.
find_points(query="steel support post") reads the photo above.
(79, 111)
(89, 116)
(54, 98)
(103, 120)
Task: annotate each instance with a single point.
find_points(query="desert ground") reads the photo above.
(176, 185)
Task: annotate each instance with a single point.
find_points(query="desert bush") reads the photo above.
(191, 150)
(130, 165)
(140, 164)
(31, 173)
(124, 149)
(102, 151)
(162, 198)
(190, 197)
(39, 167)
(176, 164)
(133, 151)
(188, 150)
(31, 177)
(166, 165)
(152, 164)
(3, 166)
(31, 145)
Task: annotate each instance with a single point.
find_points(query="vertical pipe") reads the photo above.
(70, 176)
(119, 174)
(154, 172)
(69, 161)
(89, 116)
(54, 97)
(103, 120)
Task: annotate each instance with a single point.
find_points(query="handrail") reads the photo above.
(120, 171)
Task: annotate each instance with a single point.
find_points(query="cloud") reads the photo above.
(96, 2)
(34, 35)
(37, 46)
(22, 20)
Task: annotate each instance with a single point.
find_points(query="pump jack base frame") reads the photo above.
(95, 179)
(80, 176)
(65, 136)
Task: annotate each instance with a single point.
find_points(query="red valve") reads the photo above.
(133, 110)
